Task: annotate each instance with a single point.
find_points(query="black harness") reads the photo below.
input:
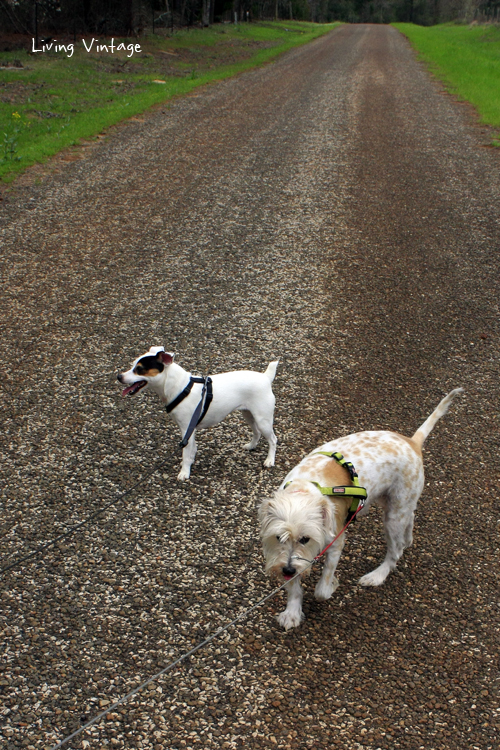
(202, 408)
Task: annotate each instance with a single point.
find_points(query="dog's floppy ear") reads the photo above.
(264, 515)
(166, 357)
(328, 512)
(263, 509)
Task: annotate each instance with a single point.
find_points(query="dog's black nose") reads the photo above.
(289, 570)
(119, 377)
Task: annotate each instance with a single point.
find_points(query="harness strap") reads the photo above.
(339, 458)
(358, 493)
(183, 394)
(208, 400)
(201, 410)
(355, 491)
(346, 491)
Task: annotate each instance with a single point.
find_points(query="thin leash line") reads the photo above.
(208, 640)
(360, 507)
(173, 664)
(77, 526)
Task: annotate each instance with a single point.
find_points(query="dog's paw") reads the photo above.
(324, 590)
(289, 619)
(376, 577)
(251, 445)
(183, 475)
(269, 462)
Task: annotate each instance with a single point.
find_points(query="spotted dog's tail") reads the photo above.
(424, 430)
(271, 370)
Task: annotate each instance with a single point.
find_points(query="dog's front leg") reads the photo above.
(292, 616)
(188, 454)
(328, 583)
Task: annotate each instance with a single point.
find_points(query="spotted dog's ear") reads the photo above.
(166, 357)
(328, 513)
(264, 515)
(263, 509)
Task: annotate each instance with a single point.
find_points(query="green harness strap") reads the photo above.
(355, 491)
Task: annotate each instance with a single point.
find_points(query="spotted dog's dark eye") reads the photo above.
(278, 538)
(304, 540)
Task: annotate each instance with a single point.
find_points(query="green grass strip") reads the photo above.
(466, 59)
(54, 101)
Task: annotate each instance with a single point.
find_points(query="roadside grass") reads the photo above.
(466, 59)
(51, 101)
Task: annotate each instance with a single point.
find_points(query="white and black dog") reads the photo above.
(310, 507)
(244, 390)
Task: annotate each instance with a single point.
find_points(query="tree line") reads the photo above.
(134, 17)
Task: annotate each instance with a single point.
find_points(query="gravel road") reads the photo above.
(336, 210)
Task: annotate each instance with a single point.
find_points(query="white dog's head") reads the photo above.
(295, 525)
(144, 370)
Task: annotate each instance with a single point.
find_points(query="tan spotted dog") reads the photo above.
(244, 390)
(307, 512)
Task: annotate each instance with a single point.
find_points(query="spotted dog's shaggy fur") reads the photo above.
(298, 522)
(243, 390)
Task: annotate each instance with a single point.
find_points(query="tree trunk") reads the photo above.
(206, 13)
(128, 13)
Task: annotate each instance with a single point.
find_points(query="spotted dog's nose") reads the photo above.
(120, 377)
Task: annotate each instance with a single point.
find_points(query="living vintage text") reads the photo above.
(93, 46)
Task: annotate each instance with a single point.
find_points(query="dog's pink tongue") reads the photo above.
(127, 390)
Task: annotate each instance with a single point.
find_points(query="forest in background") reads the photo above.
(134, 17)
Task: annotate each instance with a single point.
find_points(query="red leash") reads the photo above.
(339, 534)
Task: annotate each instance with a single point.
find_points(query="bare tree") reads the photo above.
(206, 13)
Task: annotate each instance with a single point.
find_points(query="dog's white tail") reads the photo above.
(424, 430)
(271, 370)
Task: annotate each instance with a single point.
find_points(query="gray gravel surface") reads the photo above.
(336, 210)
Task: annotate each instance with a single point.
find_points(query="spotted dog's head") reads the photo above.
(293, 527)
(144, 370)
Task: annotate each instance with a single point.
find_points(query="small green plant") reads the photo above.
(10, 139)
